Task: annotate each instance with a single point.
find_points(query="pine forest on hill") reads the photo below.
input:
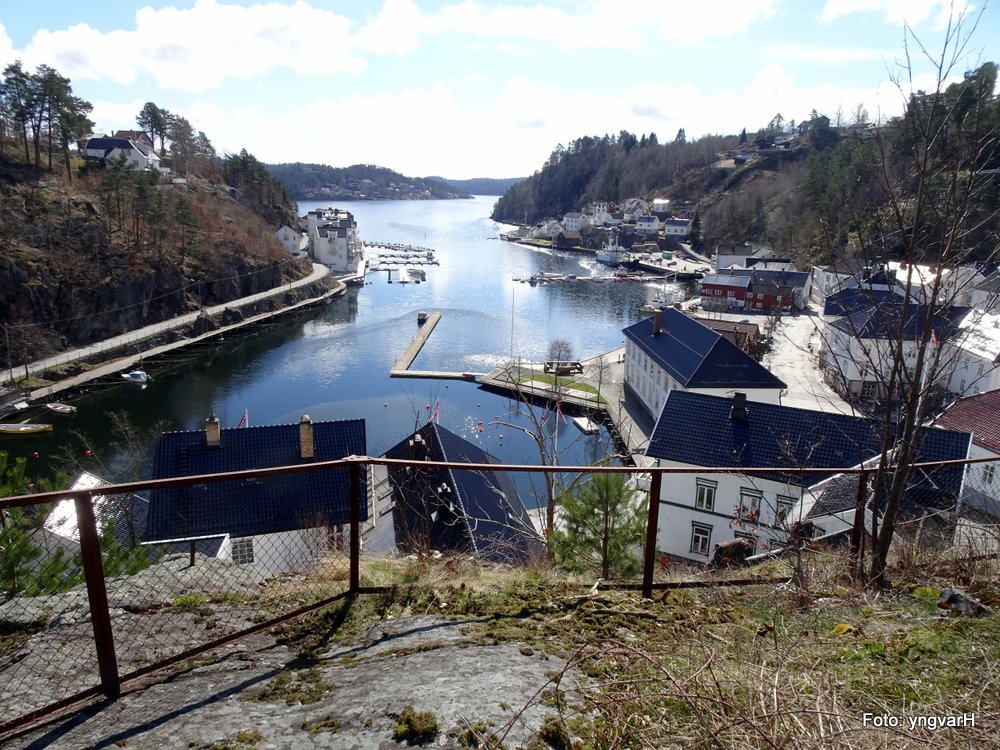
(93, 250)
(812, 201)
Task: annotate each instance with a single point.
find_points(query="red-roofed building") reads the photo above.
(980, 415)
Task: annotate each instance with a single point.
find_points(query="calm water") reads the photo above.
(333, 362)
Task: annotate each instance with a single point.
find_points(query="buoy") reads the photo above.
(386, 404)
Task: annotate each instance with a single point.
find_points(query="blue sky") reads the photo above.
(472, 88)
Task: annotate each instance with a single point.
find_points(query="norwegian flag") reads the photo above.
(244, 420)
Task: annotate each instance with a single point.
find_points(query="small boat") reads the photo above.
(421, 317)
(64, 409)
(24, 428)
(136, 376)
(586, 425)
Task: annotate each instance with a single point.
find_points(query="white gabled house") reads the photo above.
(705, 507)
(672, 350)
(857, 351)
(575, 221)
(647, 224)
(291, 239)
(136, 156)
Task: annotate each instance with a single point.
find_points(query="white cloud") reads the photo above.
(199, 48)
(914, 13)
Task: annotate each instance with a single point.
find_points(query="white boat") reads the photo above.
(586, 425)
(58, 408)
(611, 254)
(136, 376)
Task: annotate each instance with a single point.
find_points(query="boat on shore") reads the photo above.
(136, 376)
(24, 428)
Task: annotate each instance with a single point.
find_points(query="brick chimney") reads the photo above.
(306, 448)
(739, 411)
(213, 433)
(657, 315)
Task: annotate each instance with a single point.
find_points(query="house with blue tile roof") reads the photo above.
(276, 523)
(707, 433)
(457, 511)
(133, 154)
(859, 349)
(672, 350)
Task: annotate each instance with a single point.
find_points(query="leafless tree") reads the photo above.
(921, 210)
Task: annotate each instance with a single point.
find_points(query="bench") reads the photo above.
(560, 367)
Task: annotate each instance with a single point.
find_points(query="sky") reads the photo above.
(475, 88)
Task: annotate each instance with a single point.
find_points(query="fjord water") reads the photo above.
(332, 362)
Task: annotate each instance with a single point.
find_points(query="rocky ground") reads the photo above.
(256, 695)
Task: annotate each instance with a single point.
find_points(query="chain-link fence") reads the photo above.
(87, 607)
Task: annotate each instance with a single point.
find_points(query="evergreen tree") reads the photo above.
(603, 524)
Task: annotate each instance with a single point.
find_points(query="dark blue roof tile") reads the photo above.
(486, 515)
(253, 506)
(698, 357)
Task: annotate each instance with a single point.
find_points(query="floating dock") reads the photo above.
(402, 367)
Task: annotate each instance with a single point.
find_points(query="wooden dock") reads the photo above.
(411, 352)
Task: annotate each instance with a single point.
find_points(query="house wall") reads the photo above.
(651, 383)
(826, 282)
(289, 239)
(679, 515)
(282, 552)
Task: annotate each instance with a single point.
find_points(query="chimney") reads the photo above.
(213, 433)
(739, 411)
(677, 306)
(418, 448)
(306, 449)
(656, 322)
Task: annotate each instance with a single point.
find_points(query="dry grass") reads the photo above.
(765, 666)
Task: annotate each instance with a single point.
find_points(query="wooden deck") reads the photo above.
(402, 367)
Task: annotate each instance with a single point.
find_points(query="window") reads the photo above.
(701, 538)
(988, 471)
(749, 501)
(782, 508)
(243, 550)
(704, 494)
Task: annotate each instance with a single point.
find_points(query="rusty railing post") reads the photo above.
(652, 523)
(355, 527)
(97, 594)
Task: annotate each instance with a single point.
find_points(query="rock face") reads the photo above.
(79, 265)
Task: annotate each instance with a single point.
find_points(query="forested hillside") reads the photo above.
(93, 248)
(814, 199)
(359, 182)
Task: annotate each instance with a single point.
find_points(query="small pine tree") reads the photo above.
(603, 523)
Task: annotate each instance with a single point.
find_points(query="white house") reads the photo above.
(632, 208)
(548, 230)
(972, 362)
(673, 351)
(679, 229)
(334, 240)
(857, 351)
(703, 507)
(832, 278)
(575, 221)
(291, 239)
(137, 156)
(978, 528)
(737, 255)
(647, 224)
(986, 296)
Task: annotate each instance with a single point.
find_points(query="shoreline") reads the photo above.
(122, 353)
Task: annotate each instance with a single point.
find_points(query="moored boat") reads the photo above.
(136, 376)
(421, 317)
